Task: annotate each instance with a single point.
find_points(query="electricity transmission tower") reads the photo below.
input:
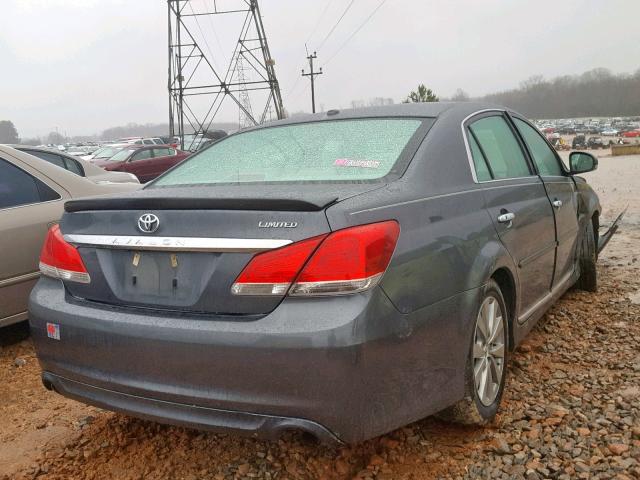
(239, 76)
(244, 119)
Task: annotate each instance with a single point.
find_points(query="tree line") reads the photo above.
(596, 93)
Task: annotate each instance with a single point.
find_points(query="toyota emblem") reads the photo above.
(148, 223)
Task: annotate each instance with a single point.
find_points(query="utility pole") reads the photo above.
(312, 74)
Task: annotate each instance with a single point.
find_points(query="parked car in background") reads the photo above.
(32, 194)
(343, 273)
(579, 141)
(144, 162)
(595, 143)
(631, 133)
(174, 142)
(105, 152)
(77, 165)
(609, 132)
(143, 141)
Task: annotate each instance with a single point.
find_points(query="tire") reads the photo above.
(587, 256)
(478, 408)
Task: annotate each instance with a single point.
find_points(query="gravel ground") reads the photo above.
(571, 408)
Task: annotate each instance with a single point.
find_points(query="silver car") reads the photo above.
(77, 165)
(32, 194)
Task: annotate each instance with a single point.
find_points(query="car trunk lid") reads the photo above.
(202, 241)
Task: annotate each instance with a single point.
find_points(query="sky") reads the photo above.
(85, 65)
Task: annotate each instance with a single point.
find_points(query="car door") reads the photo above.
(562, 193)
(28, 207)
(141, 165)
(164, 159)
(517, 204)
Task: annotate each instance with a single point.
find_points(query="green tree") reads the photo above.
(8, 132)
(423, 94)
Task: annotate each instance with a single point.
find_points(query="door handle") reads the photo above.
(556, 203)
(506, 218)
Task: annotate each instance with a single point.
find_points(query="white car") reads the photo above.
(144, 141)
(610, 132)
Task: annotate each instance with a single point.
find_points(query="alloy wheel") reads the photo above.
(488, 351)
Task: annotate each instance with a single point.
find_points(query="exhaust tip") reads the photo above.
(46, 381)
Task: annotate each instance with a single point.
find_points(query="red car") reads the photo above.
(145, 162)
(631, 133)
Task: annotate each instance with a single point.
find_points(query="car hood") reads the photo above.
(289, 197)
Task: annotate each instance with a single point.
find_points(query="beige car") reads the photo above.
(32, 196)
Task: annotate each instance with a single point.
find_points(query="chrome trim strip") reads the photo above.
(535, 255)
(19, 279)
(11, 319)
(525, 316)
(535, 181)
(177, 244)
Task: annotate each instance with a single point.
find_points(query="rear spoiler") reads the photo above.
(200, 203)
(606, 236)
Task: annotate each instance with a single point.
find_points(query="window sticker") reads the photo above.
(348, 162)
(53, 331)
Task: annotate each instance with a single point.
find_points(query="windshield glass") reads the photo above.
(338, 150)
(106, 152)
(122, 155)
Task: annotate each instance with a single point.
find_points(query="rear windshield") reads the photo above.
(122, 155)
(338, 150)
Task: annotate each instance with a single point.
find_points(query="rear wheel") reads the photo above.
(486, 363)
(588, 279)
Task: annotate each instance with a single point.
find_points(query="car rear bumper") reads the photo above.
(346, 368)
(243, 423)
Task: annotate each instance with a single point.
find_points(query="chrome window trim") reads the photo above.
(35, 203)
(472, 165)
(19, 279)
(177, 244)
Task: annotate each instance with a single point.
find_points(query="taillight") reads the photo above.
(60, 259)
(346, 261)
(271, 273)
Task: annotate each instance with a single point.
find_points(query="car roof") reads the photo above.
(90, 170)
(422, 109)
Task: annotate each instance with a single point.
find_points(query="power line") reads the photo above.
(204, 37)
(315, 28)
(355, 32)
(293, 86)
(336, 24)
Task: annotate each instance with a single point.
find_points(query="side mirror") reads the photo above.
(582, 162)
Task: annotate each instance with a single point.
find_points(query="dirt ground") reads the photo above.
(571, 408)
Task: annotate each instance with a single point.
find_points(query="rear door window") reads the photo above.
(48, 157)
(163, 152)
(17, 187)
(482, 170)
(74, 166)
(543, 156)
(142, 155)
(500, 147)
(326, 151)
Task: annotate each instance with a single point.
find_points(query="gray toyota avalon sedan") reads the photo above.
(344, 273)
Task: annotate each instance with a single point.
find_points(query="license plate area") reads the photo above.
(170, 279)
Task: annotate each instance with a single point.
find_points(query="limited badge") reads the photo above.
(53, 331)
